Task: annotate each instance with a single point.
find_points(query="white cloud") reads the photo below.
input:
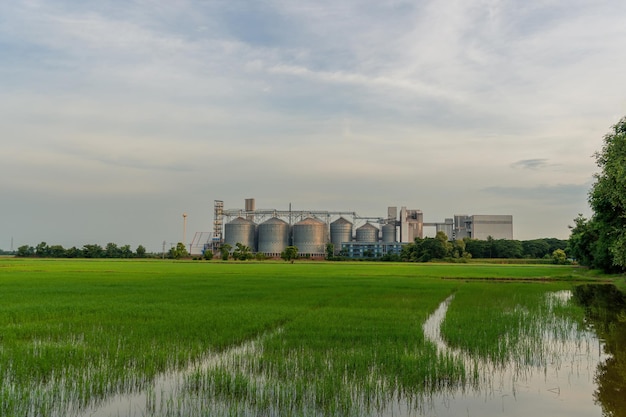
(439, 105)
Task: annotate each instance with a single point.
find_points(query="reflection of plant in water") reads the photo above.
(606, 310)
(516, 323)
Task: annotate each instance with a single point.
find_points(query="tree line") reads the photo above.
(421, 250)
(111, 250)
(439, 247)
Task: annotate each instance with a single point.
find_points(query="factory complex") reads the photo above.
(270, 231)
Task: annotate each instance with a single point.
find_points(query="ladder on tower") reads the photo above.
(218, 220)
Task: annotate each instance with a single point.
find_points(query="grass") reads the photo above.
(523, 316)
(77, 331)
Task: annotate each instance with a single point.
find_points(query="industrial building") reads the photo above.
(270, 231)
(482, 227)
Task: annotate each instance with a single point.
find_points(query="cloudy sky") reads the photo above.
(118, 116)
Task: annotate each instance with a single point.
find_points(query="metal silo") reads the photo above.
(389, 233)
(241, 231)
(309, 236)
(367, 233)
(340, 232)
(273, 236)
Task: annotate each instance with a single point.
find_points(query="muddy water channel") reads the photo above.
(572, 369)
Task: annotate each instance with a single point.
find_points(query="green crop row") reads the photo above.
(339, 338)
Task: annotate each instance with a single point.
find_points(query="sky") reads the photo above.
(116, 117)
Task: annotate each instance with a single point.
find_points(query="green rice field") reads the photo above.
(302, 339)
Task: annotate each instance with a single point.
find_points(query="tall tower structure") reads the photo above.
(250, 208)
(411, 224)
(218, 221)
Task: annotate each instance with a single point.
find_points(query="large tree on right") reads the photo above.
(600, 242)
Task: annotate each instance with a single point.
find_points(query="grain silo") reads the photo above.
(309, 236)
(273, 236)
(367, 233)
(389, 233)
(340, 232)
(242, 231)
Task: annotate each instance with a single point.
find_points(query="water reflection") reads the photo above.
(558, 380)
(605, 310)
(572, 372)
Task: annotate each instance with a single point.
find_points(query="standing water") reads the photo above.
(561, 384)
(573, 372)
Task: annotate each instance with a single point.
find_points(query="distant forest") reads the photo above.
(111, 250)
(419, 251)
(427, 249)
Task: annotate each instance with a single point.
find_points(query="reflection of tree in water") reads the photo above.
(606, 309)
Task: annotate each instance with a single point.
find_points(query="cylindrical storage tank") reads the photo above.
(367, 233)
(309, 236)
(241, 231)
(389, 233)
(340, 232)
(273, 236)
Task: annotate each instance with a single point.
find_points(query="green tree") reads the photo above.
(125, 251)
(225, 251)
(581, 241)
(559, 257)
(536, 248)
(111, 251)
(140, 252)
(506, 249)
(208, 254)
(93, 251)
(457, 249)
(600, 242)
(426, 249)
(73, 252)
(178, 251)
(242, 252)
(413, 251)
(289, 254)
(478, 248)
(330, 251)
(25, 251)
(57, 251)
(556, 244)
(41, 250)
(435, 248)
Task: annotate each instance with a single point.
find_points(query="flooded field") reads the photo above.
(559, 378)
(306, 342)
(556, 377)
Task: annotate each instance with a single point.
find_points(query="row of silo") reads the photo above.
(309, 235)
(273, 235)
(341, 231)
(369, 233)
